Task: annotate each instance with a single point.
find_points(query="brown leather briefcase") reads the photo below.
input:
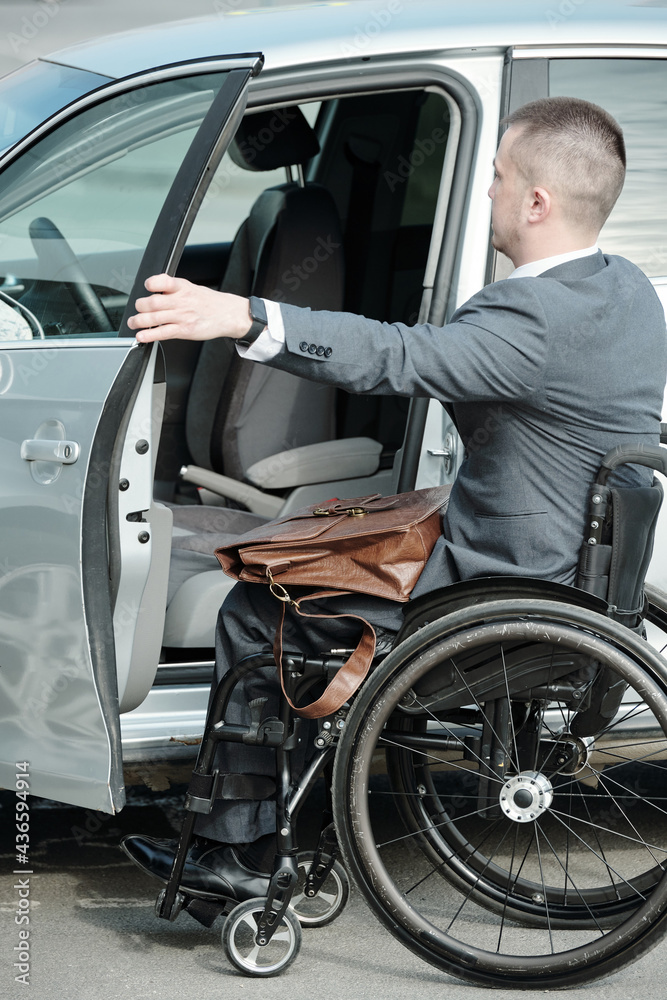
(368, 545)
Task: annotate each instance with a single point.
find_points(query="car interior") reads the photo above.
(328, 204)
(256, 427)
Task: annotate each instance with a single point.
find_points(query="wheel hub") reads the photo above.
(526, 796)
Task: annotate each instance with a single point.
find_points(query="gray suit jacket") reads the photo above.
(543, 375)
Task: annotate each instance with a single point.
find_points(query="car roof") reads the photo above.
(337, 31)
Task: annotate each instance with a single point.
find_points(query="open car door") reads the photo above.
(97, 199)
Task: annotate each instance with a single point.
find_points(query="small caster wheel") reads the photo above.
(316, 911)
(238, 940)
(179, 902)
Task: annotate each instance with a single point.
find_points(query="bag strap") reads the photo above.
(351, 674)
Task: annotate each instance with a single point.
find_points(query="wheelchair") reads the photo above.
(496, 783)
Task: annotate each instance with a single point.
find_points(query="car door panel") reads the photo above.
(83, 572)
(52, 711)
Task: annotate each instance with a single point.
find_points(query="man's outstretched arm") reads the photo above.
(493, 350)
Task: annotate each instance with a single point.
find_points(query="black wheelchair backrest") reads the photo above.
(620, 528)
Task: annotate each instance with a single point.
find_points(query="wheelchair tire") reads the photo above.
(577, 853)
(329, 902)
(238, 940)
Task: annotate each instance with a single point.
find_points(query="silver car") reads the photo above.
(121, 465)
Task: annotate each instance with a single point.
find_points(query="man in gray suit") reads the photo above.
(543, 372)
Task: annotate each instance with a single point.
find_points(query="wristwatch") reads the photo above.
(259, 322)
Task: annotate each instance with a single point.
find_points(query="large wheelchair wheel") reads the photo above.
(492, 788)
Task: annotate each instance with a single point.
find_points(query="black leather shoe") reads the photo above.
(211, 871)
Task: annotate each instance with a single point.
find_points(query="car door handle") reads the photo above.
(43, 450)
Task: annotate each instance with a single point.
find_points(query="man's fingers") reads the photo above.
(144, 318)
(154, 303)
(163, 287)
(164, 283)
(168, 332)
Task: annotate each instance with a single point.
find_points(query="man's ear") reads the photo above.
(539, 205)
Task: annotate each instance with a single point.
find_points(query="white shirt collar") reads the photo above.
(535, 267)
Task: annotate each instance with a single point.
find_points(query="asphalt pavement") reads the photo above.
(94, 934)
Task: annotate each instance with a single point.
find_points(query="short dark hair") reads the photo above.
(577, 148)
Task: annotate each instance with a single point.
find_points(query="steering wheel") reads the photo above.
(58, 260)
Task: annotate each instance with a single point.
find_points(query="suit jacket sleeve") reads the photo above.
(494, 348)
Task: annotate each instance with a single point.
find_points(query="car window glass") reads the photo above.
(634, 91)
(423, 168)
(78, 207)
(35, 92)
(232, 193)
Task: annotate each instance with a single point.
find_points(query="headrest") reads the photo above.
(271, 139)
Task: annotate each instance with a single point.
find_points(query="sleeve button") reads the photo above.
(328, 352)
(320, 351)
(312, 349)
(303, 346)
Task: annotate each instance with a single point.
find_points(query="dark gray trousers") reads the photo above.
(246, 625)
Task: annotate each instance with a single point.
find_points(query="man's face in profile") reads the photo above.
(507, 193)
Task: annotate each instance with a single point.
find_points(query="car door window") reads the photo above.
(34, 92)
(232, 192)
(633, 91)
(77, 210)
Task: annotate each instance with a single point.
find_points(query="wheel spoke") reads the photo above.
(253, 955)
(596, 855)
(393, 742)
(481, 708)
(544, 888)
(569, 878)
(651, 803)
(616, 833)
(509, 701)
(629, 821)
(467, 897)
(595, 831)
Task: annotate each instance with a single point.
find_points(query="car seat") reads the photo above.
(252, 429)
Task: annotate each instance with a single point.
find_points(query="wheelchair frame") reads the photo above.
(444, 695)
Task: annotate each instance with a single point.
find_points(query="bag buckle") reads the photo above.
(335, 511)
(279, 591)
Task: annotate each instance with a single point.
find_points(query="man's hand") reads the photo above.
(177, 309)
